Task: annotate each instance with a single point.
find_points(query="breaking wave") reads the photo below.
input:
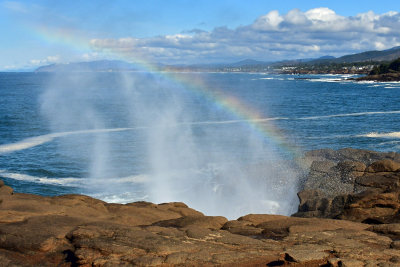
(381, 135)
(72, 182)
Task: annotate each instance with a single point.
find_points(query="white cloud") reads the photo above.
(268, 22)
(47, 60)
(322, 14)
(15, 6)
(273, 36)
(90, 56)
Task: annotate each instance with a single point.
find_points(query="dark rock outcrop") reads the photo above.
(386, 77)
(352, 184)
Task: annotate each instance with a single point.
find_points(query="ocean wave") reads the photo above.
(381, 135)
(388, 143)
(26, 143)
(330, 136)
(350, 114)
(133, 179)
(42, 139)
(366, 82)
(72, 182)
(329, 80)
(41, 180)
(235, 121)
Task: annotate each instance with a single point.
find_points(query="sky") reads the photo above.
(35, 33)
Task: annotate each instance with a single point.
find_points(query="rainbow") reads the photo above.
(233, 105)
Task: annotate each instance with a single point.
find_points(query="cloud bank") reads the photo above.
(273, 36)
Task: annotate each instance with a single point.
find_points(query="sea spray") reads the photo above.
(220, 169)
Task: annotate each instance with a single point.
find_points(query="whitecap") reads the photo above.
(350, 114)
(41, 179)
(381, 135)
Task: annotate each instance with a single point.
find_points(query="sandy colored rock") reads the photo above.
(259, 218)
(385, 165)
(353, 221)
(77, 230)
(304, 256)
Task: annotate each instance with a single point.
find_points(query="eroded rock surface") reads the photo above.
(351, 184)
(75, 230)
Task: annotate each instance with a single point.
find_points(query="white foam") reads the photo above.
(132, 179)
(381, 135)
(329, 80)
(26, 143)
(350, 114)
(41, 180)
(388, 143)
(366, 82)
(42, 139)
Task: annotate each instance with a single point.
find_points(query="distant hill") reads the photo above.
(373, 56)
(248, 62)
(96, 66)
(385, 72)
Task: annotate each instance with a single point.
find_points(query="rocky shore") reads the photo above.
(386, 77)
(348, 216)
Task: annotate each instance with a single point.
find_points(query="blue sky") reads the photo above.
(35, 33)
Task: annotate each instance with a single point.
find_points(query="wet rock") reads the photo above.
(344, 188)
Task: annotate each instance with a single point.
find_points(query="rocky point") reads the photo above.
(348, 216)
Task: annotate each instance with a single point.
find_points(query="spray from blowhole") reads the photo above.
(220, 169)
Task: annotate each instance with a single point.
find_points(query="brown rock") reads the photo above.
(209, 222)
(391, 230)
(256, 219)
(395, 244)
(384, 166)
(242, 228)
(77, 230)
(349, 190)
(383, 180)
(305, 256)
(6, 190)
(322, 166)
(351, 166)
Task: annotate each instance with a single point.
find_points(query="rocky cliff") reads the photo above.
(358, 187)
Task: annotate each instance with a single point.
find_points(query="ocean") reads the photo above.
(223, 143)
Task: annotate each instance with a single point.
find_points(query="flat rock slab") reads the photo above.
(359, 187)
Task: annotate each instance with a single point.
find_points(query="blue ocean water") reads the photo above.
(74, 133)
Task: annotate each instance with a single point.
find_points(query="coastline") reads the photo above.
(348, 215)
